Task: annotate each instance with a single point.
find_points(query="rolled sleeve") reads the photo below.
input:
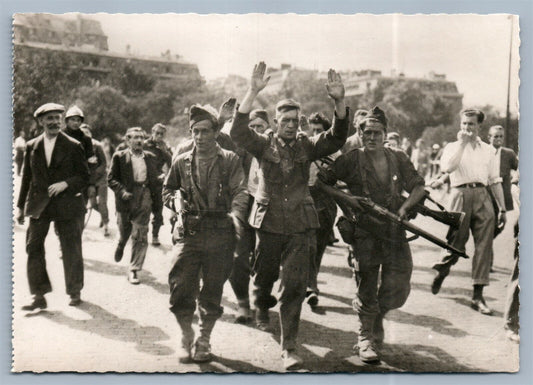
(411, 178)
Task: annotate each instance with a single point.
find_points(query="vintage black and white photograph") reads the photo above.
(265, 193)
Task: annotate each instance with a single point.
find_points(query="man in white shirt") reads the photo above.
(472, 166)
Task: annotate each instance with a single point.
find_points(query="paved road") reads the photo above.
(120, 327)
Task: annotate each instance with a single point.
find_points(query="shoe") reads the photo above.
(106, 231)
(155, 241)
(75, 300)
(244, 315)
(367, 352)
(262, 320)
(38, 303)
(132, 277)
(513, 336)
(312, 299)
(201, 351)
(437, 282)
(291, 360)
(481, 306)
(119, 252)
(378, 331)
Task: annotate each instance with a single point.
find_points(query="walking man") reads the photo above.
(208, 179)
(379, 173)
(133, 178)
(472, 167)
(283, 212)
(163, 155)
(54, 175)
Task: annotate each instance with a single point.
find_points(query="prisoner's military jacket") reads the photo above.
(356, 170)
(224, 178)
(86, 141)
(163, 155)
(282, 203)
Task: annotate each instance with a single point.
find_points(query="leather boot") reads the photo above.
(365, 340)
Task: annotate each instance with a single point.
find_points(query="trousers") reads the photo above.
(320, 242)
(290, 253)
(244, 250)
(98, 200)
(69, 232)
(204, 256)
(479, 218)
(157, 212)
(134, 222)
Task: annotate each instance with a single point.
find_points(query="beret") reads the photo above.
(287, 104)
(375, 115)
(261, 114)
(48, 107)
(74, 111)
(197, 113)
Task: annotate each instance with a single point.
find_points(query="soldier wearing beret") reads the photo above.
(54, 174)
(208, 179)
(157, 146)
(283, 212)
(133, 179)
(381, 174)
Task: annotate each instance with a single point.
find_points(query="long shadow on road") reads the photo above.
(436, 324)
(108, 325)
(145, 276)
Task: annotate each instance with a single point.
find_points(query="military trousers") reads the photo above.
(69, 231)
(318, 247)
(135, 222)
(290, 254)
(201, 265)
(479, 218)
(377, 294)
(244, 251)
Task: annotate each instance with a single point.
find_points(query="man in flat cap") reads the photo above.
(54, 174)
(472, 167)
(380, 174)
(283, 212)
(157, 146)
(207, 179)
(133, 179)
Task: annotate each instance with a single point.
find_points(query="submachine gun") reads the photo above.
(378, 215)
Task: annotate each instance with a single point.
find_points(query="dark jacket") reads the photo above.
(163, 155)
(68, 164)
(99, 170)
(225, 182)
(508, 162)
(283, 203)
(86, 141)
(120, 177)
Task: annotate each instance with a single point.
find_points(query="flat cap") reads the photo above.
(197, 113)
(287, 105)
(48, 107)
(261, 114)
(74, 111)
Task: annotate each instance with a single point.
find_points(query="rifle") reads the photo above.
(377, 213)
(449, 218)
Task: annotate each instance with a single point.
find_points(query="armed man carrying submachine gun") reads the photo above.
(377, 216)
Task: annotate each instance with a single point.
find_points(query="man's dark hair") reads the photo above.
(319, 118)
(474, 112)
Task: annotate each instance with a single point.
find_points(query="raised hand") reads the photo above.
(334, 86)
(258, 81)
(226, 110)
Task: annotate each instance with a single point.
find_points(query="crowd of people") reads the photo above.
(249, 203)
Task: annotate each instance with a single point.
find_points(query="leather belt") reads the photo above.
(470, 185)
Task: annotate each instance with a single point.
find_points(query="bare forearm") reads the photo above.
(248, 101)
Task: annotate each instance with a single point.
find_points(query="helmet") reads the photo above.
(74, 111)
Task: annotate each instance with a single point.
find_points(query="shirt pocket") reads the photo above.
(258, 212)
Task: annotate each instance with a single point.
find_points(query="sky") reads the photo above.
(472, 51)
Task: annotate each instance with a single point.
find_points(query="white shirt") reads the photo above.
(49, 145)
(20, 143)
(477, 165)
(498, 158)
(139, 167)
